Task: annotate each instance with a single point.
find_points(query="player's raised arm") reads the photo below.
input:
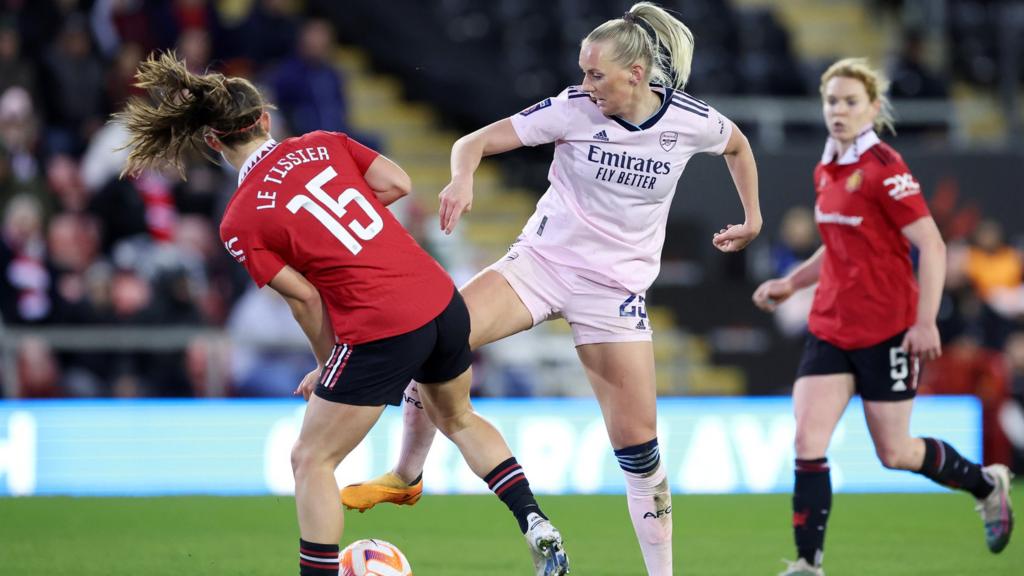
(457, 196)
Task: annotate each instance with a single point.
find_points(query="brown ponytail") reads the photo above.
(182, 109)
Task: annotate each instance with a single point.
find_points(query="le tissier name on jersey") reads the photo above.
(279, 171)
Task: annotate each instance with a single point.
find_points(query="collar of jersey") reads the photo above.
(665, 101)
(254, 159)
(865, 140)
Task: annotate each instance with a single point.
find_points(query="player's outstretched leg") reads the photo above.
(489, 457)
(508, 482)
(404, 484)
(650, 504)
(989, 485)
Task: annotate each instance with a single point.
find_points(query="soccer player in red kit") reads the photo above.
(309, 220)
(870, 325)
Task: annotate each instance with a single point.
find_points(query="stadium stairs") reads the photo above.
(412, 135)
(815, 26)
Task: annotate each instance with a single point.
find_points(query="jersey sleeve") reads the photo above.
(716, 133)
(261, 263)
(544, 122)
(899, 194)
(363, 155)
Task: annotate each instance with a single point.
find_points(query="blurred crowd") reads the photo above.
(82, 247)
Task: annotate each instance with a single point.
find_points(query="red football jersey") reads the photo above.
(867, 291)
(304, 202)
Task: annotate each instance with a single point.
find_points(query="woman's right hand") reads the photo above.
(770, 294)
(456, 200)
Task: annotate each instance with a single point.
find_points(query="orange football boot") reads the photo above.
(384, 488)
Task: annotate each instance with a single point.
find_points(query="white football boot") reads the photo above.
(549, 558)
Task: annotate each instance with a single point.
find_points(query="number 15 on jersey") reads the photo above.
(338, 208)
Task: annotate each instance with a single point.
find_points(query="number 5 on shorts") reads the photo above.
(899, 369)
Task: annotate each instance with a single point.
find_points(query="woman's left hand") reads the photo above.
(735, 237)
(308, 384)
(922, 340)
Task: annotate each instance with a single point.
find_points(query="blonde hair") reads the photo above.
(647, 33)
(182, 109)
(875, 82)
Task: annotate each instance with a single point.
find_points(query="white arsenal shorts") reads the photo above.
(596, 311)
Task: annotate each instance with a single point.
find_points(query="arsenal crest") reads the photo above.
(668, 140)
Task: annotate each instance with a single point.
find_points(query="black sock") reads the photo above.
(417, 480)
(318, 559)
(943, 464)
(812, 502)
(508, 482)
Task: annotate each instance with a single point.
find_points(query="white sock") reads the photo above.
(650, 509)
(417, 435)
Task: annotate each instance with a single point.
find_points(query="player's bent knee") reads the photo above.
(308, 455)
(453, 423)
(449, 417)
(893, 458)
(299, 457)
(809, 446)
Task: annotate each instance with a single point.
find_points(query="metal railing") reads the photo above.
(101, 338)
(771, 116)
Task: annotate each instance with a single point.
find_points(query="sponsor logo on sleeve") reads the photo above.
(538, 106)
(901, 186)
(237, 253)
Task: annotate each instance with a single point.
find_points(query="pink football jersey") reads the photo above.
(612, 182)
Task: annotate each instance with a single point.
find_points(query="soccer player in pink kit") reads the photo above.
(870, 325)
(593, 246)
(309, 220)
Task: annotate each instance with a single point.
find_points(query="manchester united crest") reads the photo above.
(855, 180)
(668, 140)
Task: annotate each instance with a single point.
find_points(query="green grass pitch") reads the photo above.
(914, 534)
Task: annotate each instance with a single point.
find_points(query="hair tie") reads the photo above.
(644, 26)
(222, 133)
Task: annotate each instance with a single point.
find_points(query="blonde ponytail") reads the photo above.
(648, 34)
